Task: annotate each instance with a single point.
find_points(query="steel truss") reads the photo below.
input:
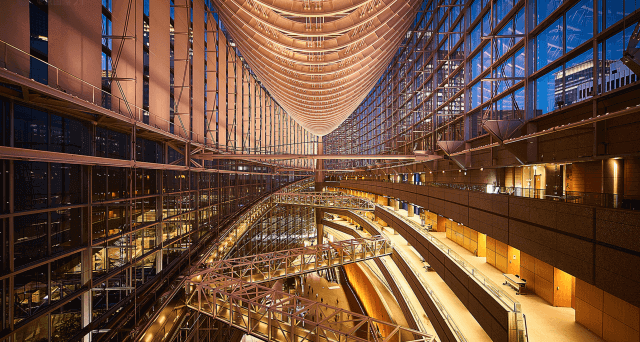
(324, 200)
(287, 263)
(279, 316)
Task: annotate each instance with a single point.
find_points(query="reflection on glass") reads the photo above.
(30, 293)
(546, 100)
(549, 44)
(65, 276)
(579, 24)
(66, 321)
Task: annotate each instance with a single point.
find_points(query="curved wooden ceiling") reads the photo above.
(319, 59)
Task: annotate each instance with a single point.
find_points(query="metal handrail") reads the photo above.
(324, 200)
(494, 289)
(286, 263)
(443, 311)
(605, 200)
(491, 287)
(240, 303)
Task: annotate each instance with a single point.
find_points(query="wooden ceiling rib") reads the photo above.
(319, 59)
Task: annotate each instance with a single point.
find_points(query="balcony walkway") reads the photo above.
(377, 279)
(282, 264)
(468, 325)
(545, 322)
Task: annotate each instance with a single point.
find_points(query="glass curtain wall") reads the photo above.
(464, 62)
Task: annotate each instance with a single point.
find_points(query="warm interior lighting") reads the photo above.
(320, 67)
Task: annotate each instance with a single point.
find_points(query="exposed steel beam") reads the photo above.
(418, 157)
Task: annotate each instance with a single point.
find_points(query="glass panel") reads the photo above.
(32, 190)
(37, 331)
(68, 229)
(66, 321)
(65, 276)
(578, 75)
(579, 24)
(614, 11)
(99, 222)
(30, 293)
(546, 7)
(70, 136)
(548, 92)
(614, 70)
(31, 128)
(30, 238)
(99, 183)
(549, 44)
(118, 183)
(67, 185)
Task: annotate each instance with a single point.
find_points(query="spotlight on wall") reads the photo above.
(482, 169)
(442, 171)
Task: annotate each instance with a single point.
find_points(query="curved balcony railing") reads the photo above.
(490, 287)
(425, 284)
(324, 200)
(605, 200)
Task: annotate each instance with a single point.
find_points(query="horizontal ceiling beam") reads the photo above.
(211, 156)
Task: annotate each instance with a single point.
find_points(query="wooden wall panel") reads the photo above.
(501, 256)
(584, 177)
(544, 281)
(560, 234)
(368, 295)
(589, 306)
(527, 271)
(491, 251)
(562, 282)
(513, 260)
(620, 320)
(632, 178)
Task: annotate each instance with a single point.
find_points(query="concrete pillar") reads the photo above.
(410, 210)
